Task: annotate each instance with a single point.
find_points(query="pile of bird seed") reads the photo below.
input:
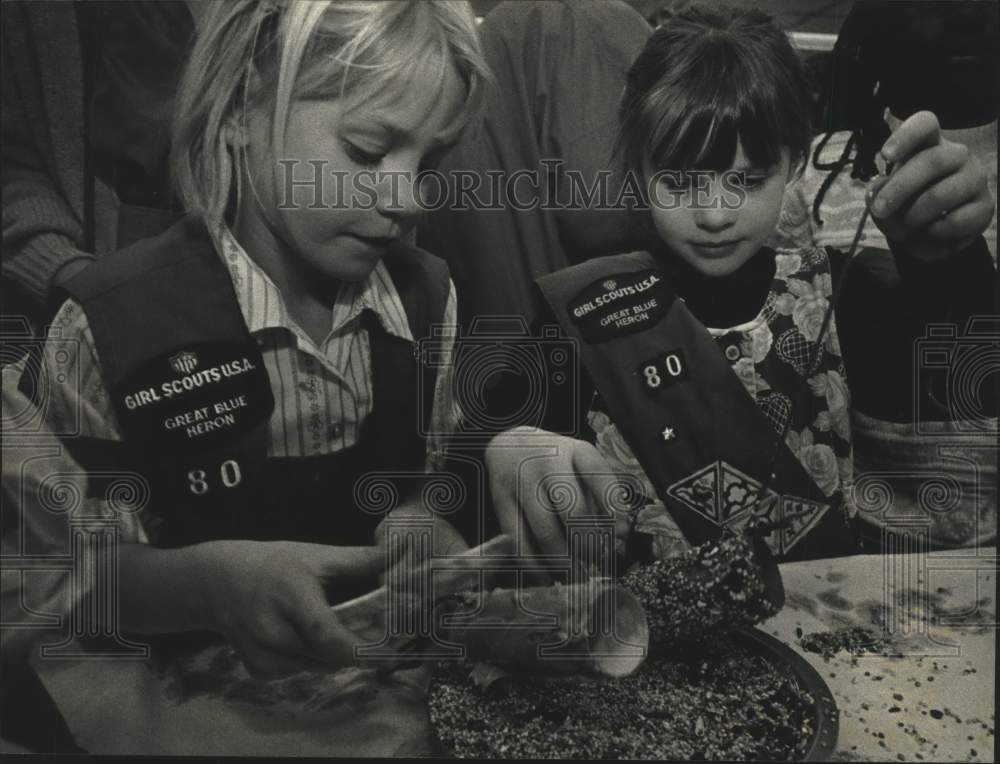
(717, 699)
(717, 583)
(854, 639)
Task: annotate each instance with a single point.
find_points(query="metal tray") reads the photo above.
(826, 717)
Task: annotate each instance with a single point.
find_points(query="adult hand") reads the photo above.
(268, 599)
(936, 200)
(539, 480)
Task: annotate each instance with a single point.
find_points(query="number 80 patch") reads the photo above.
(662, 370)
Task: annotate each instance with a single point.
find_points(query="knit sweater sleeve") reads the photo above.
(41, 231)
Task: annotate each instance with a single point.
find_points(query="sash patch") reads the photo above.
(196, 398)
(726, 496)
(621, 304)
(718, 492)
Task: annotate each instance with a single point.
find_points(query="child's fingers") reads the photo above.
(346, 561)
(514, 524)
(447, 540)
(544, 516)
(598, 477)
(267, 659)
(266, 664)
(543, 502)
(916, 133)
(335, 646)
(609, 495)
(913, 178)
(606, 488)
(323, 636)
(511, 519)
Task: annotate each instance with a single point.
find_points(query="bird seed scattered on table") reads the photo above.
(713, 699)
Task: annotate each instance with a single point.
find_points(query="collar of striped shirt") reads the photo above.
(263, 305)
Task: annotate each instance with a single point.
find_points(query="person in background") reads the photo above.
(559, 70)
(87, 92)
(87, 98)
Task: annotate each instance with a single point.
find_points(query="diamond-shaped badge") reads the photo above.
(698, 492)
(802, 516)
(739, 494)
(719, 492)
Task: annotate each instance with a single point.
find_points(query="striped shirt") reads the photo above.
(323, 393)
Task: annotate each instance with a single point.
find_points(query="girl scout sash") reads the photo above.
(701, 439)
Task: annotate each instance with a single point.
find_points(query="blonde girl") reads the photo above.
(255, 362)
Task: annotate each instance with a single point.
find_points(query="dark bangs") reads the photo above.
(707, 79)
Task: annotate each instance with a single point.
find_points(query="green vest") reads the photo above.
(193, 398)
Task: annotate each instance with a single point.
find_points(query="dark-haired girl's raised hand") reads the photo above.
(935, 199)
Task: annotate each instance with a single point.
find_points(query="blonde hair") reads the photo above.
(263, 54)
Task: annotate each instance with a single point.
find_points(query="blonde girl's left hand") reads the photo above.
(936, 200)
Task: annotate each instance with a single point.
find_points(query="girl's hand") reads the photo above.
(445, 540)
(581, 481)
(268, 599)
(936, 200)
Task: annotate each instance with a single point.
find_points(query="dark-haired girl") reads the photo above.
(720, 383)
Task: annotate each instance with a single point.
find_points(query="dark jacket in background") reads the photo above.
(560, 69)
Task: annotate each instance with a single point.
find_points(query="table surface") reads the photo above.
(930, 698)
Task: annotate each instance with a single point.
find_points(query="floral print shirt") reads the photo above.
(771, 355)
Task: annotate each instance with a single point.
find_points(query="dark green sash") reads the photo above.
(701, 439)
